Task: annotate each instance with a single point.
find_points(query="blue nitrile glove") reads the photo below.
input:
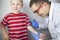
(36, 37)
(34, 23)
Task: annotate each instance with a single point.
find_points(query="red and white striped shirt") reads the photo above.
(17, 25)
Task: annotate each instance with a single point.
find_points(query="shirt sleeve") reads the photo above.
(27, 21)
(4, 21)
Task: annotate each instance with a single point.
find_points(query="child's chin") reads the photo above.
(16, 10)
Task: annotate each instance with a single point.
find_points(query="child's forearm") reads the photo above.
(4, 31)
(30, 28)
(5, 35)
(42, 36)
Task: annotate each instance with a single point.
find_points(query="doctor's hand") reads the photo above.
(42, 36)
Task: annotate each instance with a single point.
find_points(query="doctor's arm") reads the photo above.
(58, 31)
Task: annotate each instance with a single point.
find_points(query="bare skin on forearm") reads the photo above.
(5, 34)
(42, 36)
(32, 30)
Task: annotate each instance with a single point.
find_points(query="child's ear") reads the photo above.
(44, 3)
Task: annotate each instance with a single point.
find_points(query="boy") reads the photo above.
(42, 8)
(17, 22)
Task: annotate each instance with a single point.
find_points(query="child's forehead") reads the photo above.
(15, 0)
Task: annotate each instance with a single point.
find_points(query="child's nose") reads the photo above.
(15, 5)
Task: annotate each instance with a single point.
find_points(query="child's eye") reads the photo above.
(13, 4)
(18, 4)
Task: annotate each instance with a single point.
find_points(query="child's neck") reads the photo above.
(16, 12)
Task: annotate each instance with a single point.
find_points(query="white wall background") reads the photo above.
(58, 1)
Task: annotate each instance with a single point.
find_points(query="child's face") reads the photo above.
(16, 5)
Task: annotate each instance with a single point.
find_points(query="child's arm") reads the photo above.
(4, 32)
(30, 28)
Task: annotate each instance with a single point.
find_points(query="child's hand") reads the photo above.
(42, 36)
(6, 37)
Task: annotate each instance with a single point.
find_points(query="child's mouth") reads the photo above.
(15, 9)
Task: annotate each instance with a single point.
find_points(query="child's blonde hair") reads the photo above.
(20, 0)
